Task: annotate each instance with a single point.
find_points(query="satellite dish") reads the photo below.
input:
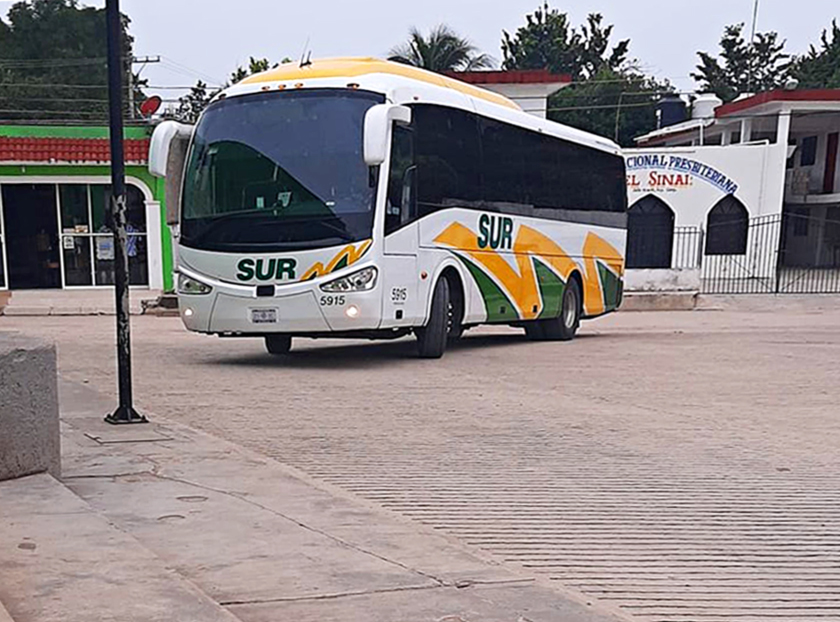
(150, 106)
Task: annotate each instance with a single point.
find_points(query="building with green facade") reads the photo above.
(54, 224)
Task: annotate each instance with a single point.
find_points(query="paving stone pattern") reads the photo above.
(681, 466)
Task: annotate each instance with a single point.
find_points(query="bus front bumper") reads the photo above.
(301, 312)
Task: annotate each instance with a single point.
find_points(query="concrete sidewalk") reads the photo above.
(89, 301)
(168, 523)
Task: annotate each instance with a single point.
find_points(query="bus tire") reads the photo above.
(431, 338)
(454, 314)
(278, 345)
(563, 328)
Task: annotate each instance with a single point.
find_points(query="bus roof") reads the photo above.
(358, 67)
(406, 84)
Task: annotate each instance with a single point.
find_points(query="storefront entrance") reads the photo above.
(59, 235)
(31, 239)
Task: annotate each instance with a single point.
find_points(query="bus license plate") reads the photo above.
(264, 316)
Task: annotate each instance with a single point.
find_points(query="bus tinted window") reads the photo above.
(505, 160)
(528, 168)
(448, 158)
(482, 163)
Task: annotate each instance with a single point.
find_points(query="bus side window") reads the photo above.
(401, 201)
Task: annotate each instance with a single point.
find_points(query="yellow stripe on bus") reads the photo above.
(522, 287)
(350, 252)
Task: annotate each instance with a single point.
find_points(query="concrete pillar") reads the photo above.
(746, 130)
(783, 130)
(29, 434)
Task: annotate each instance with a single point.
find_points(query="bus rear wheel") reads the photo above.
(563, 328)
(431, 338)
(278, 345)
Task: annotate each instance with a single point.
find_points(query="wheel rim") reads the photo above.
(570, 308)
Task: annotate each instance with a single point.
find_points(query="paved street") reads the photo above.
(679, 466)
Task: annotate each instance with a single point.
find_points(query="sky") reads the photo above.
(207, 39)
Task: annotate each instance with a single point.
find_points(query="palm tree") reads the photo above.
(442, 51)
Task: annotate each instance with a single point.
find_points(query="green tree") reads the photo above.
(191, 104)
(618, 104)
(546, 41)
(442, 51)
(255, 65)
(820, 69)
(608, 96)
(549, 41)
(743, 67)
(53, 63)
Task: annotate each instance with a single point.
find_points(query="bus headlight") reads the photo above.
(191, 287)
(360, 281)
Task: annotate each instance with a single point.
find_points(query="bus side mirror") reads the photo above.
(167, 157)
(378, 121)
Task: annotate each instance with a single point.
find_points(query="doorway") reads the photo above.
(31, 236)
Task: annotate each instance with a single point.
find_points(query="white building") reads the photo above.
(529, 88)
(742, 197)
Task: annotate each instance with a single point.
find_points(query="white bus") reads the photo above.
(363, 198)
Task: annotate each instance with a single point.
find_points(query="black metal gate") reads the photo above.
(774, 261)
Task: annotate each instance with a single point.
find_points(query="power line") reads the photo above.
(92, 86)
(185, 70)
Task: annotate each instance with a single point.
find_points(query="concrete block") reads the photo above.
(676, 280)
(29, 428)
(659, 301)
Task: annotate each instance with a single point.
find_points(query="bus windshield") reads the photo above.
(279, 171)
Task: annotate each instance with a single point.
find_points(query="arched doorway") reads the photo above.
(650, 233)
(726, 227)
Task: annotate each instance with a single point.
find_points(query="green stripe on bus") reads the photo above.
(551, 290)
(498, 306)
(342, 263)
(609, 285)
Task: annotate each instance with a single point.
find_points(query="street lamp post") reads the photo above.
(125, 412)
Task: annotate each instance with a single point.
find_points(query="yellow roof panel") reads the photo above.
(354, 67)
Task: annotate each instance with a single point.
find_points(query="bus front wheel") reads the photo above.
(278, 345)
(431, 338)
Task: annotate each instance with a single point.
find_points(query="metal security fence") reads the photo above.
(781, 254)
(750, 272)
(663, 246)
(808, 280)
(688, 248)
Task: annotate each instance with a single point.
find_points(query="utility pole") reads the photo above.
(135, 60)
(125, 412)
(752, 46)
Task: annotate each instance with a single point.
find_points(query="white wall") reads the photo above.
(532, 98)
(691, 181)
(752, 168)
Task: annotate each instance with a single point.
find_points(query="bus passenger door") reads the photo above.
(400, 306)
